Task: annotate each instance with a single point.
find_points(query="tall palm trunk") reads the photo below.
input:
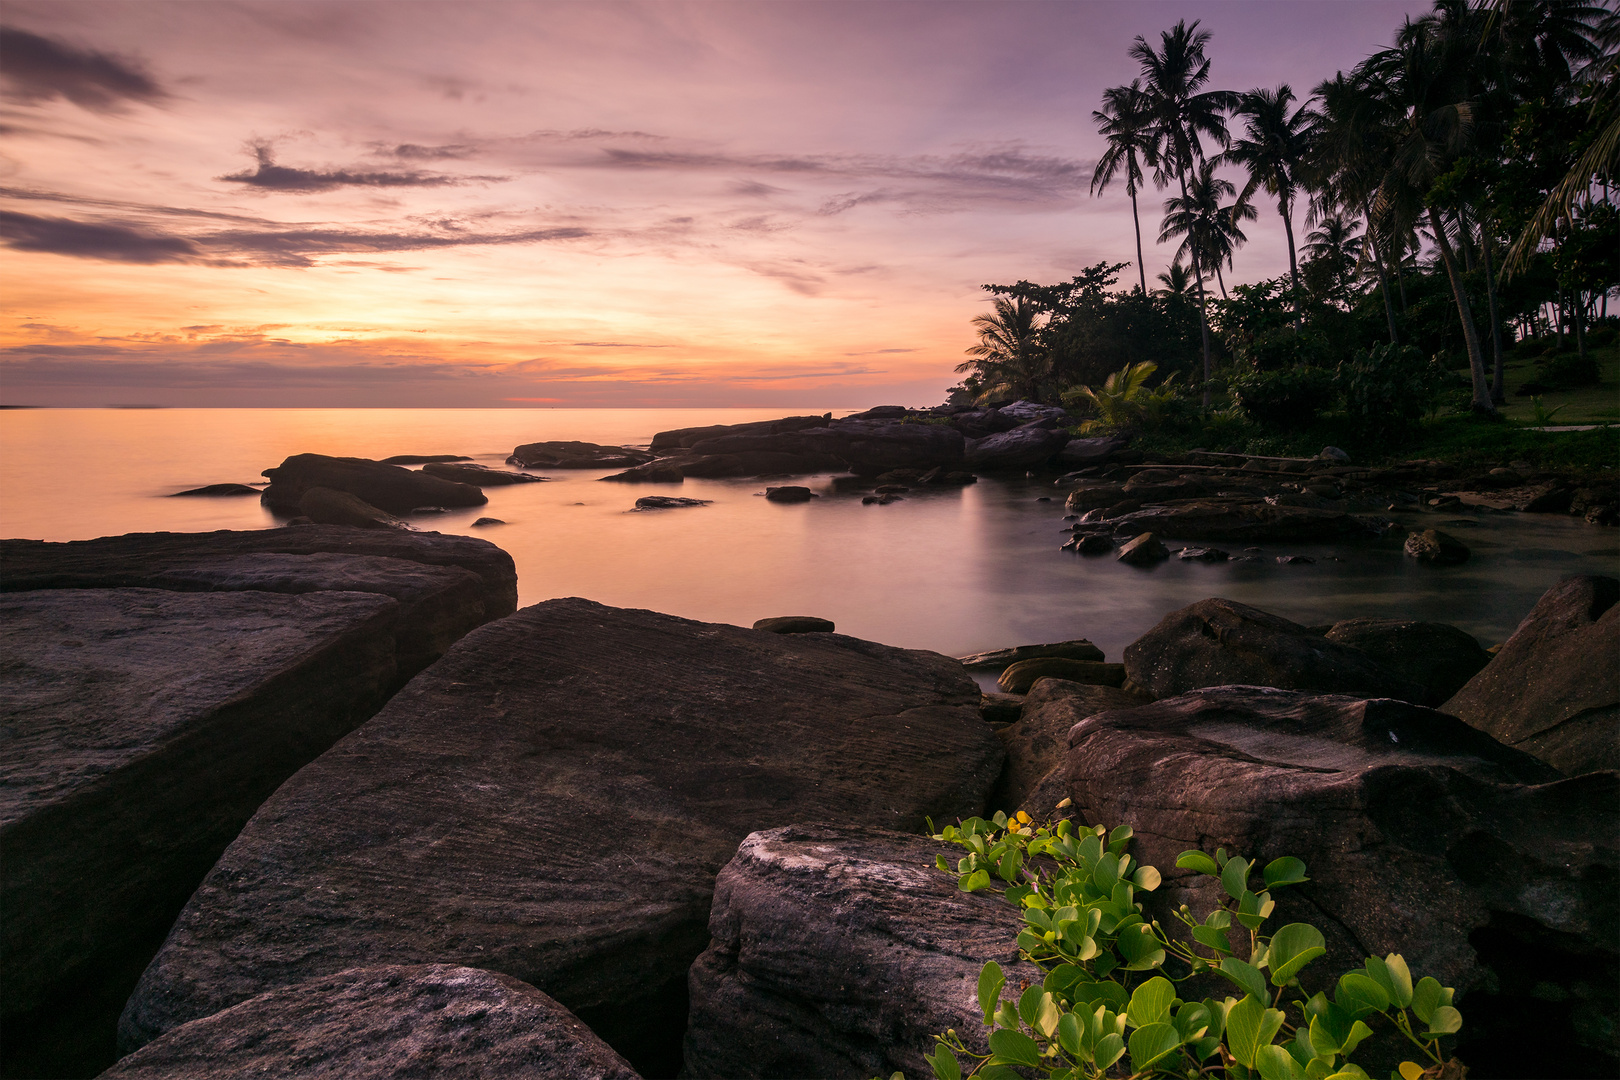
(1498, 369)
(1286, 211)
(1383, 277)
(1203, 316)
(1476, 360)
(1141, 269)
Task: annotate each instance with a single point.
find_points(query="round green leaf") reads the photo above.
(991, 980)
(1284, 871)
(1071, 1034)
(1247, 976)
(1446, 1021)
(1360, 995)
(1275, 1063)
(1013, 1048)
(1151, 1003)
(1152, 1044)
(1292, 947)
(1197, 861)
(1147, 878)
(1110, 1048)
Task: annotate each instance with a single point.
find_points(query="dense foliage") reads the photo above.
(1110, 1002)
(1459, 185)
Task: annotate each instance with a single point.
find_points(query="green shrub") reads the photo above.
(1601, 337)
(1109, 997)
(1287, 399)
(1389, 388)
(1567, 371)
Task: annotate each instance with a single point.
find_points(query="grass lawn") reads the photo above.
(1598, 404)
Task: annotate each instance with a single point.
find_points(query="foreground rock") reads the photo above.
(449, 828)
(1554, 688)
(1438, 657)
(841, 952)
(576, 455)
(387, 487)
(1038, 744)
(1217, 642)
(384, 1022)
(1421, 835)
(157, 687)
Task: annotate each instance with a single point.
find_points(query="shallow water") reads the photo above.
(955, 570)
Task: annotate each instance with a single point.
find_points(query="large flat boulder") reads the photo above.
(866, 446)
(1554, 688)
(553, 799)
(445, 584)
(576, 455)
(141, 730)
(1421, 836)
(1438, 657)
(842, 951)
(387, 487)
(1249, 522)
(1216, 642)
(685, 438)
(378, 1023)
(1020, 448)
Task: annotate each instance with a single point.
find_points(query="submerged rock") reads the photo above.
(219, 489)
(789, 494)
(1553, 689)
(668, 502)
(841, 951)
(1216, 642)
(1145, 550)
(449, 828)
(576, 455)
(423, 459)
(378, 1023)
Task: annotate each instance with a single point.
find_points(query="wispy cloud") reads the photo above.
(88, 240)
(268, 176)
(39, 68)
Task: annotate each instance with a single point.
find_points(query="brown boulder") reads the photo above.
(1438, 657)
(1019, 677)
(387, 487)
(1436, 548)
(1145, 550)
(795, 624)
(1037, 745)
(576, 455)
(998, 659)
(1553, 689)
(324, 506)
(480, 476)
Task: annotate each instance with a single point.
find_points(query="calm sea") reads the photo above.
(955, 570)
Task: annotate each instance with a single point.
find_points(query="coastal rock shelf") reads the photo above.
(553, 799)
(897, 950)
(157, 688)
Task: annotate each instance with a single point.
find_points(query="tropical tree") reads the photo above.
(1010, 357)
(1124, 122)
(1177, 281)
(1210, 232)
(1273, 152)
(1334, 246)
(1182, 113)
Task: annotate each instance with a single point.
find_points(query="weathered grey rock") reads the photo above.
(979, 423)
(324, 506)
(1553, 689)
(668, 502)
(230, 560)
(1038, 744)
(1436, 548)
(1020, 448)
(387, 487)
(1027, 412)
(1145, 550)
(1079, 453)
(789, 494)
(841, 952)
(1438, 657)
(1217, 642)
(795, 624)
(553, 799)
(998, 659)
(576, 455)
(1421, 836)
(1019, 677)
(1247, 522)
(141, 729)
(685, 438)
(378, 1023)
(219, 489)
(480, 476)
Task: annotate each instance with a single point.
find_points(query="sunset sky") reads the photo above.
(640, 204)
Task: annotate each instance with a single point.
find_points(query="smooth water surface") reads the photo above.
(955, 570)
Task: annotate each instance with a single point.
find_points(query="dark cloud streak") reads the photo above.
(89, 240)
(38, 69)
(268, 176)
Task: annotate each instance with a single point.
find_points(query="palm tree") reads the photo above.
(1273, 153)
(1124, 122)
(1009, 357)
(1181, 114)
(1335, 242)
(1177, 281)
(1209, 231)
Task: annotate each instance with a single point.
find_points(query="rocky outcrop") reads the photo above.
(1438, 657)
(1019, 677)
(1038, 743)
(1420, 835)
(1436, 548)
(999, 659)
(576, 455)
(1080, 453)
(157, 688)
(841, 951)
(685, 438)
(1021, 448)
(378, 1023)
(1553, 690)
(1216, 642)
(387, 487)
(1246, 522)
(449, 829)
(324, 506)
(480, 476)
(869, 447)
